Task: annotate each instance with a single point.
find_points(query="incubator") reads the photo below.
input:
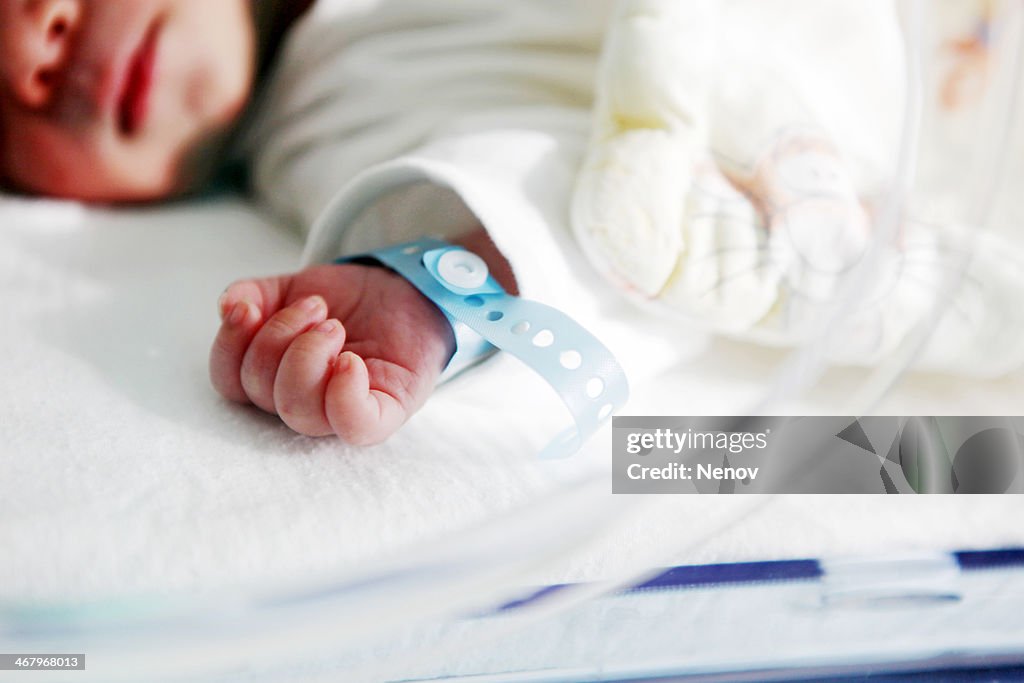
(475, 604)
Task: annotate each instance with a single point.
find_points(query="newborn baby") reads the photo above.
(133, 100)
(380, 121)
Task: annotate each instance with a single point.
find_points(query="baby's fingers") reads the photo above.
(241, 322)
(358, 414)
(263, 357)
(266, 293)
(303, 375)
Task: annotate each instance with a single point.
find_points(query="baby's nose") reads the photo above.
(37, 42)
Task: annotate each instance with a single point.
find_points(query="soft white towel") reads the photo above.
(121, 471)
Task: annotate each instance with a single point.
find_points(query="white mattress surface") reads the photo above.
(121, 471)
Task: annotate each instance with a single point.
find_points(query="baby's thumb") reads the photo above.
(357, 413)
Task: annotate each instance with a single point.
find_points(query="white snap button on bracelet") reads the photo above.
(462, 269)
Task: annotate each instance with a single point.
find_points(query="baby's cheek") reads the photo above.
(209, 63)
(214, 98)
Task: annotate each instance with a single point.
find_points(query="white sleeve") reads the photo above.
(513, 174)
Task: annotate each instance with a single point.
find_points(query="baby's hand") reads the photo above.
(350, 350)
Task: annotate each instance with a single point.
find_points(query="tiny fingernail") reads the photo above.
(222, 301)
(342, 363)
(327, 327)
(312, 303)
(238, 313)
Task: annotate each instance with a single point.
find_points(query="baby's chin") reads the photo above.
(191, 172)
(195, 172)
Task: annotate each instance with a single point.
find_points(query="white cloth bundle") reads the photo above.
(735, 148)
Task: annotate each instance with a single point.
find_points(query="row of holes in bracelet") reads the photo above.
(570, 360)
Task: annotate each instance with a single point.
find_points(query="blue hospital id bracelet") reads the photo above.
(583, 372)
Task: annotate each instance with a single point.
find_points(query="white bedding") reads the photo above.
(122, 471)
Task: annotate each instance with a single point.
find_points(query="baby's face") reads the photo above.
(119, 100)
